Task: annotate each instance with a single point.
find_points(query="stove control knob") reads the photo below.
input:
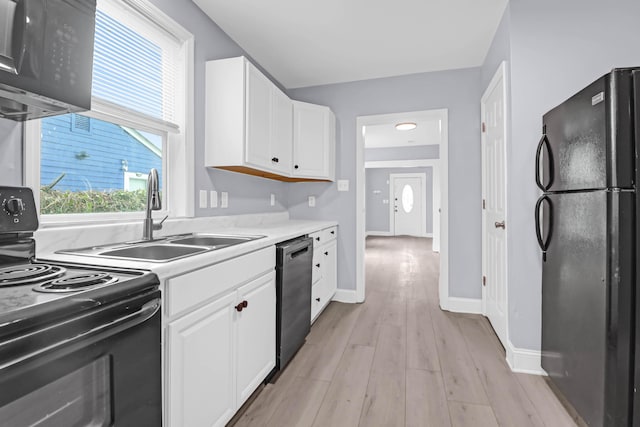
(14, 206)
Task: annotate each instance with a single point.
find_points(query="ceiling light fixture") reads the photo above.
(406, 126)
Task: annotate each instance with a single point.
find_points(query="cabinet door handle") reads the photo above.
(318, 265)
(318, 299)
(326, 253)
(318, 239)
(241, 306)
(333, 232)
(275, 160)
(295, 166)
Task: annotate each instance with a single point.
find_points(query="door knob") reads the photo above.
(500, 225)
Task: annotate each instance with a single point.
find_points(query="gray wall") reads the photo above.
(556, 48)
(247, 194)
(377, 179)
(402, 153)
(456, 90)
(10, 152)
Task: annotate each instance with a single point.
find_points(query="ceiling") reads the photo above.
(307, 43)
(427, 132)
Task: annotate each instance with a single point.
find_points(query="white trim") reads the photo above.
(443, 189)
(345, 295)
(141, 139)
(499, 76)
(462, 305)
(423, 199)
(379, 233)
(523, 360)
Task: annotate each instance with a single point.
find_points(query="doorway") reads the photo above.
(440, 175)
(408, 207)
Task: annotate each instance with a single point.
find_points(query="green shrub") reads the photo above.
(64, 202)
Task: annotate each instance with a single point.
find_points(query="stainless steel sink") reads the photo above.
(154, 252)
(164, 249)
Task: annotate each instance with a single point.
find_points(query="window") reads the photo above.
(94, 165)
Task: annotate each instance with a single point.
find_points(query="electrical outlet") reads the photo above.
(224, 199)
(273, 199)
(213, 197)
(385, 201)
(312, 201)
(203, 199)
(343, 185)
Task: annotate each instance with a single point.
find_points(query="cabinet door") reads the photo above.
(256, 339)
(281, 132)
(200, 364)
(311, 148)
(330, 270)
(258, 110)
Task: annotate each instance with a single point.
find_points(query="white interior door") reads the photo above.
(408, 207)
(494, 232)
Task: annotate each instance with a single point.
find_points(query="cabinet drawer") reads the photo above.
(198, 286)
(317, 238)
(318, 299)
(329, 234)
(316, 269)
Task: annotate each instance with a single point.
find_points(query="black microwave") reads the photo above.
(46, 57)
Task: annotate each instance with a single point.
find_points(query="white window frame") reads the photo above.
(128, 176)
(178, 151)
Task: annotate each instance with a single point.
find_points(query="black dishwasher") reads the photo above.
(293, 289)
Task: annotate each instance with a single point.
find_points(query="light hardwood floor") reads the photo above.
(398, 360)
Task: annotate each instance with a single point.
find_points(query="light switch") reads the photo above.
(312, 201)
(213, 198)
(273, 199)
(343, 185)
(203, 199)
(224, 199)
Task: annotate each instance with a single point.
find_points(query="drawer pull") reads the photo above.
(242, 306)
(326, 253)
(317, 265)
(318, 238)
(275, 160)
(333, 232)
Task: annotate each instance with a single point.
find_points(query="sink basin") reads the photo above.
(211, 241)
(163, 249)
(154, 252)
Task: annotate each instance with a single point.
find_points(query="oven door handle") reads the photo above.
(98, 333)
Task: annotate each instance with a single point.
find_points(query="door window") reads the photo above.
(407, 198)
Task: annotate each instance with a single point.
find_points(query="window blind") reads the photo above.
(135, 63)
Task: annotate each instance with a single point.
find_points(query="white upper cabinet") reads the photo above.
(250, 126)
(313, 141)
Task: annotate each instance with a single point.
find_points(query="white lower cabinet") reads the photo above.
(256, 335)
(324, 277)
(220, 351)
(201, 374)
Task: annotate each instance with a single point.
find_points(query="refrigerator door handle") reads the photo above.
(544, 244)
(544, 142)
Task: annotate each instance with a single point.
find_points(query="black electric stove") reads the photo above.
(79, 344)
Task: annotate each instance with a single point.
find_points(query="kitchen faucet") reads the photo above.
(153, 204)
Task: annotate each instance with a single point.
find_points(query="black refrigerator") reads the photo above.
(587, 168)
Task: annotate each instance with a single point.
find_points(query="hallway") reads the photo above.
(398, 360)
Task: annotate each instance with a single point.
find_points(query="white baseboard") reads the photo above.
(462, 305)
(345, 295)
(379, 233)
(523, 360)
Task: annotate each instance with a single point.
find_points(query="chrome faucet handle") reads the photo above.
(158, 226)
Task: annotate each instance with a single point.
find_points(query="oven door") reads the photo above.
(98, 369)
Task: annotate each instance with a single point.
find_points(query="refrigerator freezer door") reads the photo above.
(586, 294)
(589, 142)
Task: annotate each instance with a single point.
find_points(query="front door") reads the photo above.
(494, 234)
(408, 205)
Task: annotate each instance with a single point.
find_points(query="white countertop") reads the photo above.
(275, 230)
